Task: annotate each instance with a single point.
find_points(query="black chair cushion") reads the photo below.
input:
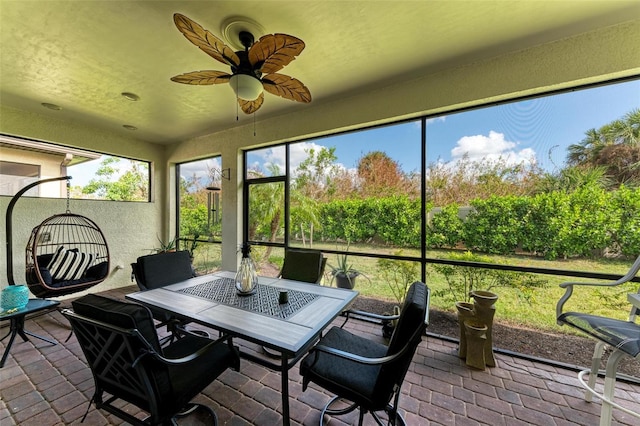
(623, 335)
(97, 271)
(349, 379)
(161, 269)
(121, 314)
(302, 265)
(190, 378)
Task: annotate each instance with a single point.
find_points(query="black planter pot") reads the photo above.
(347, 281)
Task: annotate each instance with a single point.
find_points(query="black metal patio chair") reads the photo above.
(159, 270)
(121, 346)
(365, 373)
(303, 265)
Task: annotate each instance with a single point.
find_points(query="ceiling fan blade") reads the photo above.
(274, 51)
(202, 78)
(207, 42)
(249, 107)
(286, 87)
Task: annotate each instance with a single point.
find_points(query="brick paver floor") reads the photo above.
(45, 385)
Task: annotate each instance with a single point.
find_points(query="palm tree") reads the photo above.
(615, 145)
(571, 178)
(582, 152)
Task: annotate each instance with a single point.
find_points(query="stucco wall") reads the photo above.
(128, 229)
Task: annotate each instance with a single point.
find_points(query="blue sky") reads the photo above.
(520, 131)
(537, 125)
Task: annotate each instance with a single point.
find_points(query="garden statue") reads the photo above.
(476, 324)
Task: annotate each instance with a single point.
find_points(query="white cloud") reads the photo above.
(199, 169)
(434, 120)
(263, 159)
(492, 147)
(83, 173)
(299, 152)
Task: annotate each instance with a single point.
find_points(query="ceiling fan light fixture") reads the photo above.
(245, 86)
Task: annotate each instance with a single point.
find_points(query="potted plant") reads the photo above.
(192, 244)
(344, 273)
(165, 246)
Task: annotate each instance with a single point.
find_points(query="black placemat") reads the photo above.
(263, 301)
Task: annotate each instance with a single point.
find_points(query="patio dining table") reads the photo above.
(289, 328)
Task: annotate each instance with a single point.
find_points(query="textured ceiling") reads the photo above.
(81, 55)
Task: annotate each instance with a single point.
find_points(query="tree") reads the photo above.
(303, 211)
(622, 163)
(466, 179)
(314, 175)
(380, 176)
(572, 178)
(314, 182)
(615, 145)
(130, 186)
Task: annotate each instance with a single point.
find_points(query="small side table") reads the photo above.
(17, 323)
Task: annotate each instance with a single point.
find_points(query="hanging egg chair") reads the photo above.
(65, 254)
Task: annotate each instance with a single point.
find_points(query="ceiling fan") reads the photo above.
(252, 69)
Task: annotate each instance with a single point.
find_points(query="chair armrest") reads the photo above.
(356, 358)
(149, 348)
(366, 360)
(633, 271)
(185, 359)
(371, 315)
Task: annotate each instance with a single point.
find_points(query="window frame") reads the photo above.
(423, 259)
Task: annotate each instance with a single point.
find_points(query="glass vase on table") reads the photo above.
(246, 277)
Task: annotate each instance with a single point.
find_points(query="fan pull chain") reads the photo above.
(68, 194)
(254, 123)
(237, 101)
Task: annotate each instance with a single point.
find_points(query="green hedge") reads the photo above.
(626, 203)
(445, 229)
(495, 224)
(392, 221)
(587, 222)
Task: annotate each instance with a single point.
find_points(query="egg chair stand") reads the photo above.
(66, 253)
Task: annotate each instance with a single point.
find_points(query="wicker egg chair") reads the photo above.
(76, 246)
(65, 254)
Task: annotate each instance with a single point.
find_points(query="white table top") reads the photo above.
(290, 335)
